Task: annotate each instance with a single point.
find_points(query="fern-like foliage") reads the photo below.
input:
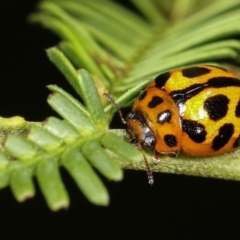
(123, 51)
(76, 143)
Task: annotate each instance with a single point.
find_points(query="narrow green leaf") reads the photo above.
(153, 61)
(93, 151)
(19, 148)
(51, 184)
(73, 100)
(120, 49)
(92, 99)
(73, 52)
(4, 171)
(216, 9)
(125, 98)
(81, 35)
(43, 139)
(61, 129)
(220, 28)
(70, 112)
(116, 144)
(180, 9)
(101, 21)
(180, 60)
(69, 50)
(86, 48)
(87, 180)
(150, 11)
(4, 179)
(4, 161)
(80, 50)
(78, 54)
(64, 66)
(21, 183)
(131, 22)
(54, 24)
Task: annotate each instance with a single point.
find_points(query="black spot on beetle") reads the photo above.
(237, 142)
(219, 82)
(193, 72)
(161, 79)
(181, 96)
(170, 140)
(224, 134)
(216, 106)
(155, 102)
(142, 95)
(196, 131)
(164, 116)
(237, 110)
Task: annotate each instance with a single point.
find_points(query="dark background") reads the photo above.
(175, 207)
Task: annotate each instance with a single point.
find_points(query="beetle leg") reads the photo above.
(156, 158)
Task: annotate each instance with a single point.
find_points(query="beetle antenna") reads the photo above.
(110, 99)
(138, 145)
(149, 171)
